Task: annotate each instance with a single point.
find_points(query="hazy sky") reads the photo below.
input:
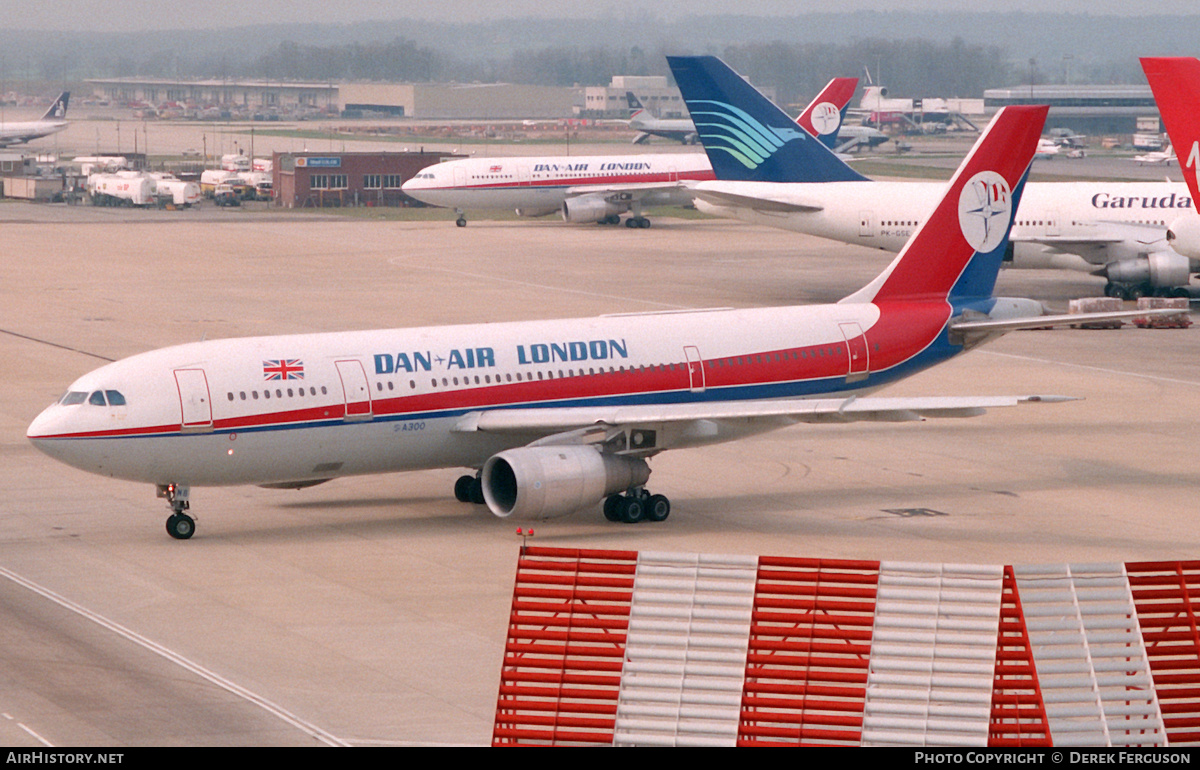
(115, 15)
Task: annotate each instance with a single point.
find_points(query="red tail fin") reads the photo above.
(962, 242)
(824, 114)
(1176, 85)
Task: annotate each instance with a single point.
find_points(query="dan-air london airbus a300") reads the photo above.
(558, 415)
(600, 188)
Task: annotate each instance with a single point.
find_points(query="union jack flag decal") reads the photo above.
(283, 369)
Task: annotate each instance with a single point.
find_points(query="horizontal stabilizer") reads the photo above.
(970, 333)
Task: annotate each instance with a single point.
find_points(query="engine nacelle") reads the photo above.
(1155, 269)
(588, 208)
(1184, 235)
(546, 481)
(526, 212)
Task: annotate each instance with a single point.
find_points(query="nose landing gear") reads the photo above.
(179, 525)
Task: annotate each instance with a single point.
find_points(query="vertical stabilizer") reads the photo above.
(748, 138)
(956, 253)
(1176, 85)
(58, 110)
(824, 116)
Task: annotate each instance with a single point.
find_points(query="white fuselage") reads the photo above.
(309, 407)
(1055, 226)
(539, 185)
(16, 133)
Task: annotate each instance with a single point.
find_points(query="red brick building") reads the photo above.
(318, 179)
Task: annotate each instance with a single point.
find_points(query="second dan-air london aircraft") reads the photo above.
(1113, 229)
(602, 188)
(558, 415)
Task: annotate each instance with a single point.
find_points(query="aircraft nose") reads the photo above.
(40, 427)
(44, 427)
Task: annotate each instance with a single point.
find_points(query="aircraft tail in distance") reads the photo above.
(58, 110)
(824, 116)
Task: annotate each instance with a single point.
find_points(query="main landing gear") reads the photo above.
(179, 525)
(637, 506)
(637, 221)
(1133, 291)
(469, 489)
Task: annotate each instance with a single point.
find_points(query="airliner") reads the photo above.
(1175, 82)
(53, 121)
(596, 188)
(559, 415)
(1113, 229)
(647, 125)
(1164, 157)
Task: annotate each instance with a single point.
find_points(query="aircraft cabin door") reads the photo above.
(195, 401)
(695, 365)
(356, 390)
(460, 177)
(523, 177)
(866, 224)
(856, 348)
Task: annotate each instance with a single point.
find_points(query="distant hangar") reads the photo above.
(489, 101)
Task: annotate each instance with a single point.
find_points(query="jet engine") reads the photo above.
(524, 212)
(1158, 270)
(544, 481)
(588, 208)
(1184, 236)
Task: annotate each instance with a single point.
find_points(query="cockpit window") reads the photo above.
(115, 398)
(73, 397)
(97, 399)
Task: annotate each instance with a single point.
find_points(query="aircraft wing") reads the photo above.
(626, 192)
(693, 421)
(778, 203)
(1099, 236)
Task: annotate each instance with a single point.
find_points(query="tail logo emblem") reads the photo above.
(734, 131)
(984, 211)
(826, 118)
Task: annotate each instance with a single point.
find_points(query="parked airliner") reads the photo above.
(1113, 229)
(648, 125)
(558, 415)
(597, 188)
(53, 121)
(1176, 85)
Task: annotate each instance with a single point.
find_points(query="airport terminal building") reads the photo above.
(1091, 110)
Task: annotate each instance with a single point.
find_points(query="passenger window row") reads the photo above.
(278, 393)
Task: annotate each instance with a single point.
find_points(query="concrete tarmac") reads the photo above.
(373, 611)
